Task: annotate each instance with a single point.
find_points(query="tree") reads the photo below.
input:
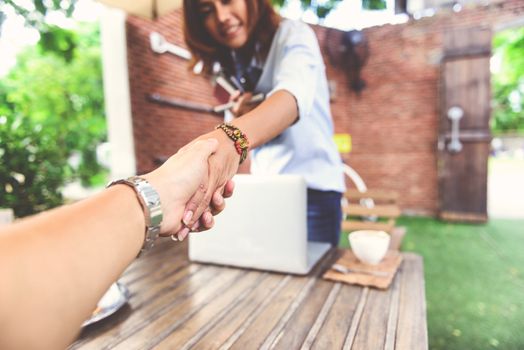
(51, 108)
(34, 12)
(32, 168)
(508, 83)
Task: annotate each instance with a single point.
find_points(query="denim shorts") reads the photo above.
(324, 215)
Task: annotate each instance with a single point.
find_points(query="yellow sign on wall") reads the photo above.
(343, 142)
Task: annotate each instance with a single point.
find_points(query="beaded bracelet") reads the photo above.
(238, 137)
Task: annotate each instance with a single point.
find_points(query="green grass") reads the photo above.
(474, 281)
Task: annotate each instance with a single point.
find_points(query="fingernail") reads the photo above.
(196, 225)
(207, 218)
(211, 222)
(183, 234)
(187, 217)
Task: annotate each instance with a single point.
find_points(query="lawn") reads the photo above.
(474, 282)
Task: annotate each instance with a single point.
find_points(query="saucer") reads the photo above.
(115, 297)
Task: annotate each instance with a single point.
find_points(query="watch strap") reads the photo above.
(150, 201)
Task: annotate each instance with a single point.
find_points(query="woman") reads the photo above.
(290, 132)
(55, 267)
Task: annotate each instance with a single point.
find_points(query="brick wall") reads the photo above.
(393, 123)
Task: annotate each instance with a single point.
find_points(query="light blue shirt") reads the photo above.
(294, 63)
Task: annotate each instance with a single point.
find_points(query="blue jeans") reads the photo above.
(324, 215)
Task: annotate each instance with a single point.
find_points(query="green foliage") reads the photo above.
(58, 41)
(34, 12)
(323, 8)
(53, 108)
(508, 83)
(52, 38)
(374, 4)
(33, 166)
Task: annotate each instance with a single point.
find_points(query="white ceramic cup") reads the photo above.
(369, 246)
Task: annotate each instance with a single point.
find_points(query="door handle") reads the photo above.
(455, 114)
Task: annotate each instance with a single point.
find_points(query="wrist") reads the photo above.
(240, 140)
(172, 200)
(226, 145)
(131, 208)
(149, 200)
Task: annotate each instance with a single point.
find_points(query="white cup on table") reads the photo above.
(369, 246)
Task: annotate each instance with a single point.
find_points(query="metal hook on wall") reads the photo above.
(160, 45)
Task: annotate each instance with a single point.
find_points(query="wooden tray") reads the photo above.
(347, 259)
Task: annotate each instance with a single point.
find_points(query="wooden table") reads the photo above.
(176, 304)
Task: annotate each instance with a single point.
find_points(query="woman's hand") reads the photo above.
(180, 177)
(223, 164)
(216, 206)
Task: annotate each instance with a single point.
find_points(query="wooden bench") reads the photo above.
(373, 210)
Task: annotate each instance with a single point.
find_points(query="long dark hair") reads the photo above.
(262, 24)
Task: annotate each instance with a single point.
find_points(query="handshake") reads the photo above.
(193, 183)
(87, 245)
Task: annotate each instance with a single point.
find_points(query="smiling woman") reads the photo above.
(226, 22)
(213, 27)
(291, 131)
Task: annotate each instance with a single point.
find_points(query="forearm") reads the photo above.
(69, 262)
(269, 119)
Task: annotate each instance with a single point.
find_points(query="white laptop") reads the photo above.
(264, 226)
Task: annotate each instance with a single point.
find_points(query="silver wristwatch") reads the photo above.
(150, 202)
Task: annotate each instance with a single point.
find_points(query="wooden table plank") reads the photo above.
(211, 313)
(240, 318)
(371, 332)
(180, 305)
(334, 330)
(389, 343)
(157, 253)
(173, 317)
(176, 290)
(142, 294)
(154, 268)
(321, 317)
(293, 336)
(412, 324)
(266, 328)
(256, 334)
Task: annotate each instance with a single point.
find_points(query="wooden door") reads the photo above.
(464, 134)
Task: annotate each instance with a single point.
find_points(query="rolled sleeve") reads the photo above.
(298, 66)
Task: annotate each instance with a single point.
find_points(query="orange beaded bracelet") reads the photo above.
(238, 137)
